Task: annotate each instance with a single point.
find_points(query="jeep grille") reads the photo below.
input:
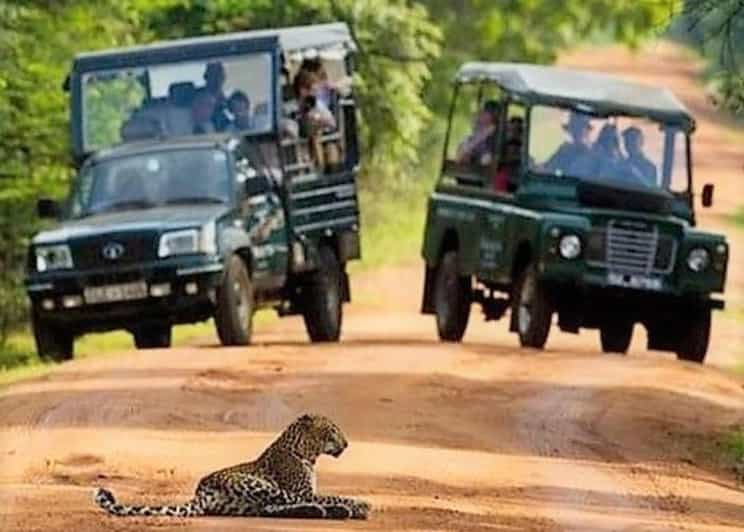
(626, 248)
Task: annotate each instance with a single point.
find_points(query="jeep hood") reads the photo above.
(159, 219)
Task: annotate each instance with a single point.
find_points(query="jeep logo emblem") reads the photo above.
(112, 251)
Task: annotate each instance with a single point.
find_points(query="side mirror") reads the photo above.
(257, 185)
(708, 195)
(47, 208)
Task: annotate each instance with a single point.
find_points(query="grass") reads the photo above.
(738, 218)
(733, 449)
(392, 223)
(18, 359)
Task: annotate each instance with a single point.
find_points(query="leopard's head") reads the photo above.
(312, 435)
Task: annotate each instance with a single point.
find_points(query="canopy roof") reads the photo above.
(583, 90)
(317, 37)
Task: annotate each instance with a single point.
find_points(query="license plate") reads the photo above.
(115, 292)
(641, 282)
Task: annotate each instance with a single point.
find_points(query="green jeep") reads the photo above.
(570, 194)
(196, 194)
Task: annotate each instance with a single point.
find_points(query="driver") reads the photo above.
(637, 163)
(573, 154)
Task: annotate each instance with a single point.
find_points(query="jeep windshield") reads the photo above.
(232, 94)
(616, 150)
(142, 181)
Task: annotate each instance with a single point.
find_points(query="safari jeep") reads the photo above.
(568, 193)
(170, 223)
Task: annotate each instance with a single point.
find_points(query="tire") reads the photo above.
(235, 305)
(153, 337)
(615, 336)
(453, 295)
(322, 308)
(534, 309)
(53, 342)
(693, 345)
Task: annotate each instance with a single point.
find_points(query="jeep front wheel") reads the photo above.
(453, 295)
(695, 336)
(52, 342)
(615, 336)
(534, 310)
(322, 308)
(235, 305)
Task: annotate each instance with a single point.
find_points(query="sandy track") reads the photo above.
(478, 436)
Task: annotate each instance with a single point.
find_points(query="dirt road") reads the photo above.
(478, 436)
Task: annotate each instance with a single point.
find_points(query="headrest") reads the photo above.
(182, 93)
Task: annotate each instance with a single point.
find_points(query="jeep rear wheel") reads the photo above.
(152, 337)
(695, 336)
(52, 341)
(534, 309)
(615, 336)
(235, 305)
(453, 295)
(322, 308)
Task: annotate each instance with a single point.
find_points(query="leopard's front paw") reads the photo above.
(360, 510)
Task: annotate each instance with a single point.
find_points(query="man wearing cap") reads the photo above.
(638, 165)
(575, 153)
(478, 147)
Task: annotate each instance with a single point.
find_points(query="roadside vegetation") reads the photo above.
(18, 359)
(739, 217)
(733, 445)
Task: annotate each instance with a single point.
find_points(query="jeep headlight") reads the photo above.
(698, 259)
(188, 241)
(184, 242)
(56, 257)
(570, 247)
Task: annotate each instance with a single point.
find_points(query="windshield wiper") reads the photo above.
(194, 199)
(121, 206)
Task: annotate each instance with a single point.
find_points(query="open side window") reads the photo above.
(318, 125)
(475, 130)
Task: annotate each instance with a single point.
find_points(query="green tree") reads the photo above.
(535, 30)
(717, 29)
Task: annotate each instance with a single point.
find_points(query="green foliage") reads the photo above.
(13, 306)
(534, 30)
(108, 104)
(734, 446)
(739, 217)
(717, 29)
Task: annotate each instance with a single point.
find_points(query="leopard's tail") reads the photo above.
(106, 500)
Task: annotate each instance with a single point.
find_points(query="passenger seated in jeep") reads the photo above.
(607, 160)
(477, 148)
(202, 111)
(214, 82)
(572, 156)
(511, 156)
(637, 163)
(239, 106)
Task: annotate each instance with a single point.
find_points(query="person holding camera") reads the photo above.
(314, 115)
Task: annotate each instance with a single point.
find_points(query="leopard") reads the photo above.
(280, 483)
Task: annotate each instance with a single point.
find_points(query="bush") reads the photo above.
(17, 224)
